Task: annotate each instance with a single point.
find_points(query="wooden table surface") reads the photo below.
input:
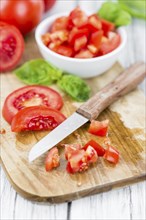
(124, 203)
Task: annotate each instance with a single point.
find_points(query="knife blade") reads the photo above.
(59, 133)
(122, 85)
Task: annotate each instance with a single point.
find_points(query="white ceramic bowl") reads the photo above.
(84, 68)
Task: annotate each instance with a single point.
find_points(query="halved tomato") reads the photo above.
(111, 155)
(107, 26)
(30, 96)
(99, 128)
(36, 118)
(110, 45)
(11, 47)
(60, 24)
(52, 159)
(84, 54)
(78, 17)
(99, 149)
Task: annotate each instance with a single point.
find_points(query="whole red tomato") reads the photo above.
(24, 14)
(49, 4)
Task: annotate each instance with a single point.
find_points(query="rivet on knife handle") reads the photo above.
(124, 83)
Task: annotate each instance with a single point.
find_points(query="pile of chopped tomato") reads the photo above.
(79, 158)
(81, 36)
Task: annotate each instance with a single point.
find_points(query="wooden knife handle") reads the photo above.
(123, 84)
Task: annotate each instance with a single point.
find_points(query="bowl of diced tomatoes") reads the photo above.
(80, 44)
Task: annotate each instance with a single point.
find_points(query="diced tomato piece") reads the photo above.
(71, 149)
(96, 38)
(61, 35)
(80, 43)
(54, 45)
(95, 22)
(91, 155)
(60, 24)
(78, 17)
(46, 39)
(77, 33)
(99, 149)
(111, 155)
(84, 54)
(52, 159)
(110, 45)
(107, 26)
(78, 162)
(99, 128)
(65, 50)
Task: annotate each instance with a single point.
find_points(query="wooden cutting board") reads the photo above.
(126, 131)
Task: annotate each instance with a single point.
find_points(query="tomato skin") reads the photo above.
(11, 47)
(99, 149)
(107, 26)
(10, 109)
(111, 155)
(52, 159)
(49, 4)
(110, 45)
(99, 128)
(30, 16)
(36, 118)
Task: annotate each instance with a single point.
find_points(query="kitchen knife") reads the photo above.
(123, 84)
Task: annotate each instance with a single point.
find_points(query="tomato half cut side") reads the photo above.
(11, 47)
(99, 149)
(36, 118)
(111, 155)
(30, 96)
(99, 128)
(52, 159)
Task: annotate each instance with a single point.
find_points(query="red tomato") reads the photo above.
(111, 155)
(30, 96)
(95, 23)
(80, 43)
(99, 128)
(91, 155)
(65, 50)
(107, 26)
(52, 159)
(25, 15)
(36, 118)
(78, 17)
(60, 23)
(11, 47)
(84, 54)
(96, 38)
(49, 4)
(77, 33)
(99, 149)
(61, 36)
(71, 149)
(110, 45)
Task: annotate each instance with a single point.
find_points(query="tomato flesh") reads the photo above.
(78, 17)
(60, 24)
(36, 118)
(99, 128)
(79, 158)
(30, 96)
(52, 159)
(64, 50)
(84, 54)
(77, 33)
(96, 38)
(111, 155)
(99, 149)
(80, 43)
(11, 47)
